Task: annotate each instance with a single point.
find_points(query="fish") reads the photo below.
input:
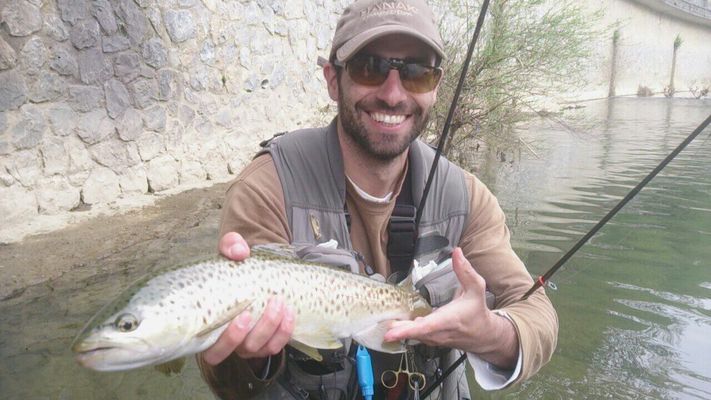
(182, 311)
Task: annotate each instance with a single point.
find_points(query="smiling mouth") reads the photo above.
(388, 119)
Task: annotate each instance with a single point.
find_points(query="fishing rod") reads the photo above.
(435, 162)
(544, 278)
(450, 114)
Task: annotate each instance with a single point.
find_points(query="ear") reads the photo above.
(329, 73)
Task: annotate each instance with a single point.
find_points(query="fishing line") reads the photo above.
(543, 278)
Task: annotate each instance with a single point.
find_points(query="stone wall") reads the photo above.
(108, 102)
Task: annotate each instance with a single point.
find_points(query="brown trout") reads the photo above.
(184, 311)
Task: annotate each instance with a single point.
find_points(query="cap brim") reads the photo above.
(351, 47)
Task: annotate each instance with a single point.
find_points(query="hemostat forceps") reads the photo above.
(415, 380)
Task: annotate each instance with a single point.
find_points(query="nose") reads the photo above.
(391, 91)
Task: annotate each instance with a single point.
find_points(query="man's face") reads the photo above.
(383, 120)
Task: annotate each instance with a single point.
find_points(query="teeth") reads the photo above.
(388, 119)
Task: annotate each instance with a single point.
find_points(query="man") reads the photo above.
(345, 182)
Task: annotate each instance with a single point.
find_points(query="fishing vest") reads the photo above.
(310, 169)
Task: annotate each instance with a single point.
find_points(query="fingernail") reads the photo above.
(237, 250)
(290, 315)
(243, 320)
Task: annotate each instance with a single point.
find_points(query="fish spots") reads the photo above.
(198, 304)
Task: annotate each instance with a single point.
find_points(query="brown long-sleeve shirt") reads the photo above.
(254, 207)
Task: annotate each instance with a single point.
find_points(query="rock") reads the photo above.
(186, 115)
(28, 133)
(143, 92)
(85, 34)
(104, 13)
(17, 205)
(192, 172)
(33, 56)
(25, 167)
(134, 20)
(150, 146)
(57, 195)
(154, 53)
(62, 119)
(179, 24)
(54, 27)
(85, 98)
(162, 173)
(73, 10)
(94, 67)
(54, 156)
(94, 126)
(207, 53)
(154, 118)
(21, 17)
(47, 87)
(13, 91)
(117, 98)
(127, 66)
(80, 163)
(102, 186)
(129, 125)
(115, 154)
(8, 57)
(168, 84)
(5, 148)
(64, 63)
(133, 180)
(115, 43)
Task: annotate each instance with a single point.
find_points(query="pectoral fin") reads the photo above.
(319, 338)
(308, 350)
(225, 318)
(372, 338)
(171, 367)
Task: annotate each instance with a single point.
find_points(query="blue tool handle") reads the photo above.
(364, 367)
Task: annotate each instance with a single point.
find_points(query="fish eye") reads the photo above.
(126, 322)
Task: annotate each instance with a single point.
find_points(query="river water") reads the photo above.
(634, 304)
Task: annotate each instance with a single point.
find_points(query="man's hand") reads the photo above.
(269, 334)
(465, 323)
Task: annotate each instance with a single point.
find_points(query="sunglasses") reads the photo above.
(370, 70)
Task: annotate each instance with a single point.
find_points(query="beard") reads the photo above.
(379, 146)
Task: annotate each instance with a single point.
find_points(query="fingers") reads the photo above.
(267, 337)
(270, 334)
(467, 276)
(229, 340)
(233, 246)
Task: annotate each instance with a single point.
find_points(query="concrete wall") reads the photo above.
(647, 31)
(106, 103)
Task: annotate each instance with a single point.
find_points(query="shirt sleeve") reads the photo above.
(253, 207)
(486, 244)
(489, 376)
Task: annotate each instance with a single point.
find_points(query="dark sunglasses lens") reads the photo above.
(373, 71)
(368, 71)
(417, 78)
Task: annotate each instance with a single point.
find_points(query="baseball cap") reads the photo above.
(366, 20)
